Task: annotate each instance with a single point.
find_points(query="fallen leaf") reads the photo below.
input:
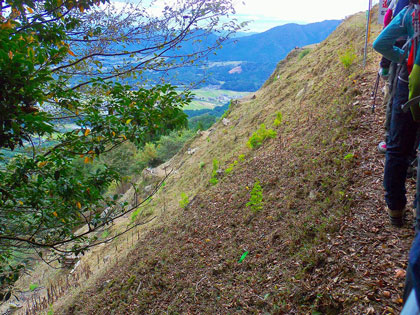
(400, 274)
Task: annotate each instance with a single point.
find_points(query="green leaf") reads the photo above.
(243, 256)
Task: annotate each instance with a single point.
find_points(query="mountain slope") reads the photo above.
(321, 242)
(276, 43)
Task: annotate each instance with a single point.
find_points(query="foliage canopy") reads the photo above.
(85, 63)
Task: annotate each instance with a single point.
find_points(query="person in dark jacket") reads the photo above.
(403, 125)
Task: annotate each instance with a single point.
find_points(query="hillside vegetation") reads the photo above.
(278, 210)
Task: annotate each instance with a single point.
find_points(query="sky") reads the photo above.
(266, 14)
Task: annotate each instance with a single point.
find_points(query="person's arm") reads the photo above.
(384, 44)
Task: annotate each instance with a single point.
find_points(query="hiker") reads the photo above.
(412, 282)
(403, 125)
(387, 69)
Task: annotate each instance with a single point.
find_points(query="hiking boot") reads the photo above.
(382, 147)
(396, 217)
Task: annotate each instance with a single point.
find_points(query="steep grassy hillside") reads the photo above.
(318, 242)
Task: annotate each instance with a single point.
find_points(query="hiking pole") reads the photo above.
(375, 92)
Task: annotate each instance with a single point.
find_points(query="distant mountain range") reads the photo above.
(274, 44)
(245, 62)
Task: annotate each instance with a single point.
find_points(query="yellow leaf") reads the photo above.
(6, 25)
(42, 164)
(79, 205)
(20, 202)
(113, 133)
(62, 220)
(87, 131)
(125, 138)
(71, 53)
(91, 152)
(128, 121)
(55, 214)
(87, 160)
(30, 10)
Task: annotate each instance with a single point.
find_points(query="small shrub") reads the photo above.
(278, 120)
(349, 157)
(135, 214)
(303, 53)
(241, 157)
(256, 198)
(213, 179)
(347, 58)
(183, 203)
(230, 167)
(33, 286)
(226, 112)
(259, 136)
(202, 164)
(105, 234)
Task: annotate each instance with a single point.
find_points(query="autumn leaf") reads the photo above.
(113, 133)
(87, 132)
(6, 25)
(42, 164)
(30, 10)
(87, 160)
(78, 205)
(400, 274)
(55, 214)
(71, 53)
(10, 55)
(128, 121)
